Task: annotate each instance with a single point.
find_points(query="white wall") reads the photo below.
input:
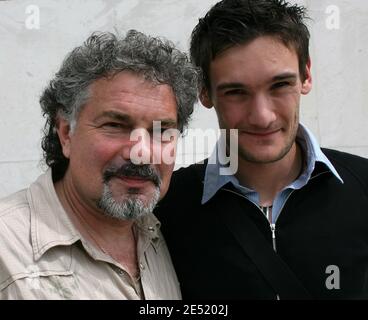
(336, 110)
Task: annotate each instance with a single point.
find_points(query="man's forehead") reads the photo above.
(269, 39)
(264, 58)
(129, 97)
(130, 86)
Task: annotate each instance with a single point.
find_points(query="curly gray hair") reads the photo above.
(104, 54)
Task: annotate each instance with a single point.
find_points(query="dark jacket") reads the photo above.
(323, 224)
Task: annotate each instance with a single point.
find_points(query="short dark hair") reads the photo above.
(104, 54)
(232, 22)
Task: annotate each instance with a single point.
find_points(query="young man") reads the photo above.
(292, 221)
(85, 228)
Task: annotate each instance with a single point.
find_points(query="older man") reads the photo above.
(85, 228)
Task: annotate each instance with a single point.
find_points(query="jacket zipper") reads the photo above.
(272, 225)
(273, 229)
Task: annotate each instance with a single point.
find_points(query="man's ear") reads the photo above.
(307, 84)
(64, 133)
(205, 98)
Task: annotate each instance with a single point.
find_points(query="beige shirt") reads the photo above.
(43, 256)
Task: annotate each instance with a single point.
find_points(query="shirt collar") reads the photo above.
(213, 181)
(313, 150)
(312, 154)
(51, 226)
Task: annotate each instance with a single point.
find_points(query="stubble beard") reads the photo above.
(131, 207)
(132, 204)
(251, 157)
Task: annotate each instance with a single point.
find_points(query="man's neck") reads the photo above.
(268, 179)
(111, 236)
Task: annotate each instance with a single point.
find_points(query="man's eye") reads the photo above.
(235, 92)
(165, 134)
(161, 130)
(280, 85)
(113, 125)
(158, 133)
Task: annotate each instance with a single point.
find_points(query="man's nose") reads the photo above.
(261, 112)
(138, 150)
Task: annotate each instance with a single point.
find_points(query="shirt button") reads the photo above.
(141, 265)
(120, 272)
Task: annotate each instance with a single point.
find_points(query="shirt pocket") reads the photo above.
(42, 285)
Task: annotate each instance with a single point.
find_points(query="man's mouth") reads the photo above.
(133, 175)
(261, 134)
(134, 181)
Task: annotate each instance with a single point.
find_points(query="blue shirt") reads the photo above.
(312, 152)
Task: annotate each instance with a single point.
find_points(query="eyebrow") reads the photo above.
(230, 85)
(239, 85)
(167, 122)
(114, 115)
(285, 76)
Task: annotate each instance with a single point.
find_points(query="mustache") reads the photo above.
(144, 171)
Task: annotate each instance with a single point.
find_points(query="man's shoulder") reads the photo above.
(188, 179)
(347, 160)
(15, 235)
(15, 220)
(186, 189)
(194, 172)
(349, 166)
(14, 204)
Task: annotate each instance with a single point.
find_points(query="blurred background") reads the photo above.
(36, 35)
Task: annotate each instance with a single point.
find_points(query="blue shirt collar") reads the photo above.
(213, 181)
